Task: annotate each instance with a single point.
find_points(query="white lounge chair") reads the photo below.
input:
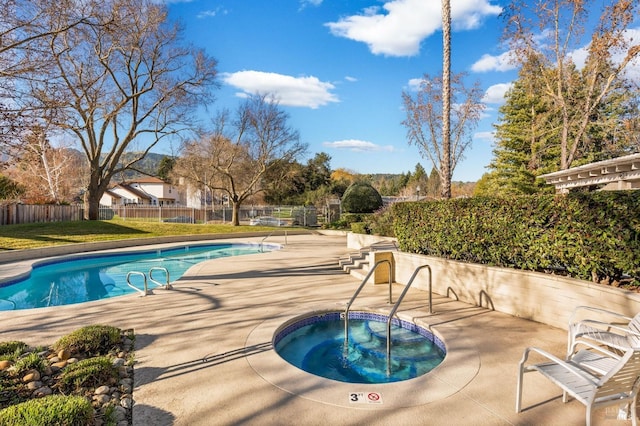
(577, 378)
(611, 329)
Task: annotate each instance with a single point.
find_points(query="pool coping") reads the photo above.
(457, 369)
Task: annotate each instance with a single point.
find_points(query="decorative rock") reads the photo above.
(43, 391)
(118, 362)
(4, 364)
(102, 399)
(72, 360)
(31, 376)
(43, 354)
(34, 385)
(120, 413)
(54, 359)
(59, 365)
(126, 402)
(48, 371)
(102, 390)
(64, 354)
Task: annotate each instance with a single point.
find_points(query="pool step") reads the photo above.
(398, 335)
(358, 263)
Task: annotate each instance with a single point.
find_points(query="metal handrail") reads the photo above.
(346, 311)
(146, 288)
(166, 285)
(10, 301)
(395, 308)
(270, 234)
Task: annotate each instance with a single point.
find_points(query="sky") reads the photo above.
(338, 69)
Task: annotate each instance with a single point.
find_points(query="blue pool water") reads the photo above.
(93, 277)
(316, 345)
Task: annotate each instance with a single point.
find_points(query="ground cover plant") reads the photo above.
(84, 378)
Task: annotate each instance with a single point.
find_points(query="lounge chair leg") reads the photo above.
(519, 391)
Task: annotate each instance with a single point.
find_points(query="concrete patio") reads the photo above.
(204, 353)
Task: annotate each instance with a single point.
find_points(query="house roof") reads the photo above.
(135, 191)
(145, 179)
(621, 170)
(112, 194)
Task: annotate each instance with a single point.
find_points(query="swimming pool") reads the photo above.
(82, 278)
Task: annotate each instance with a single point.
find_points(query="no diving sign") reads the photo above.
(365, 398)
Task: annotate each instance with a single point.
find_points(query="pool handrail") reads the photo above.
(167, 284)
(144, 276)
(270, 234)
(350, 302)
(397, 304)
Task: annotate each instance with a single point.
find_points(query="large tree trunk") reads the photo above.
(235, 215)
(445, 166)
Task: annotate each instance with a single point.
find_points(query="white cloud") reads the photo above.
(632, 70)
(503, 62)
(305, 3)
(415, 84)
(211, 13)
(357, 145)
(398, 29)
(307, 91)
(351, 79)
(484, 136)
(495, 94)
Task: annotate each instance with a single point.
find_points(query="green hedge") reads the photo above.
(591, 236)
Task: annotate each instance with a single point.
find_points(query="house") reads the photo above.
(614, 174)
(146, 191)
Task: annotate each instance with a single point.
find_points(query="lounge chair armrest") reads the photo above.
(594, 347)
(598, 324)
(570, 368)
(597, 310)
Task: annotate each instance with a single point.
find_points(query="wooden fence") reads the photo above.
(12, 214)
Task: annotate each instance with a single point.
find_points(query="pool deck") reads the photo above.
(204, 355)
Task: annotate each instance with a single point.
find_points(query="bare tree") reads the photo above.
(23, 23)
(235, 157)
(119, 84)
(552, 31)
(49, 174)
(425, 123)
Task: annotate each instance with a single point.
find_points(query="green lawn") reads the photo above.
(33, 235)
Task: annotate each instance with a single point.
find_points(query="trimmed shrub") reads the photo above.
(590, 236)
(359, 228)
(381, 222)
(361, 197)
(50, 410)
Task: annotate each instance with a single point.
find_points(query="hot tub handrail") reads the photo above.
(167, 284)
(146, 288)
(364, 281)
(397, 304)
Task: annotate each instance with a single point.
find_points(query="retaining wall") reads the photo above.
(545, 298)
